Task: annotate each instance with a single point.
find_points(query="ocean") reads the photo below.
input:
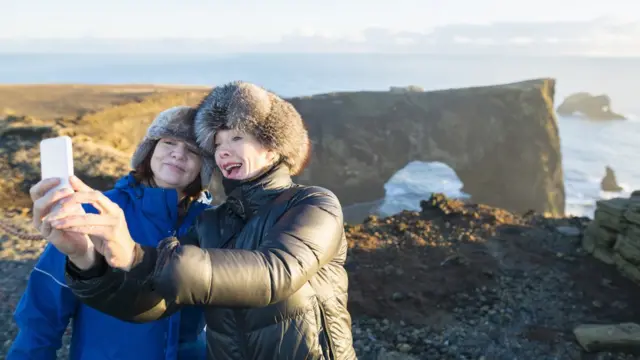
(587, 146)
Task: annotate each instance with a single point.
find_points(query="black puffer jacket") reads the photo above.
(268, 264)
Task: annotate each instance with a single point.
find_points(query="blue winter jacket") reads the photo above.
(48, 305)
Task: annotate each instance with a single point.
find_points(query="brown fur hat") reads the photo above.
(249, 108)
(177, 123)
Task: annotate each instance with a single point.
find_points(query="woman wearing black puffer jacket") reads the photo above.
(267, 264)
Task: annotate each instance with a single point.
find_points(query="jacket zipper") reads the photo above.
(325, 328)
(173, 233)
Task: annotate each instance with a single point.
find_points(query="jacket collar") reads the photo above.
(245, 197)
(152, 200)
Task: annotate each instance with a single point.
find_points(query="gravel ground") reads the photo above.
(454, 281)
(506, 287)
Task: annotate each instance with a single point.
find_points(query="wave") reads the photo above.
(416, 182)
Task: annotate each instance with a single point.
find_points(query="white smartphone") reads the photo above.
(56, 160)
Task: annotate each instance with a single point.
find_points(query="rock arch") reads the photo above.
(501, 140)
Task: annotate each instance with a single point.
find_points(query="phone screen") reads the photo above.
(56, 159)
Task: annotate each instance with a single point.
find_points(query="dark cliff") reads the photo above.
(501, 140)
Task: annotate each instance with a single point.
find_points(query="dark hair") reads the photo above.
(143, 173)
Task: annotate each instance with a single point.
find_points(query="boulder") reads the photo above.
(609, 337)
(593, 107)
(632, 215)
(502, 141)
(599, 236)
(629, 249)
(613, 236)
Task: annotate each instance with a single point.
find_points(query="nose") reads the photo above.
(180, 151)
(222, 152)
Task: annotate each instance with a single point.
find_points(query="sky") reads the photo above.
(295, 22)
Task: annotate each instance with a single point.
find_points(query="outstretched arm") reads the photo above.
(304, 239)
(127, 295)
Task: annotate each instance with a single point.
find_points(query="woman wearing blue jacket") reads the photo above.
(161, 197)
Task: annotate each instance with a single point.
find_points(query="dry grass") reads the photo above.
(53, 101)
(105, 123)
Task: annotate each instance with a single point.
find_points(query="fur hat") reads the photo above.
(177, 123)
(246, 107)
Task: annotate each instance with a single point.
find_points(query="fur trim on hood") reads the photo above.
(177, 123)
(246, 107)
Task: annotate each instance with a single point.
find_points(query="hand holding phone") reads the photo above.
(56, 161)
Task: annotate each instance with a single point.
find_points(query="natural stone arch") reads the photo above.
(501, 140)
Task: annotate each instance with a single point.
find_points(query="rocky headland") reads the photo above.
(502, 141)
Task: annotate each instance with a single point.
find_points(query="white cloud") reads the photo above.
(601, 36)
(521, 40)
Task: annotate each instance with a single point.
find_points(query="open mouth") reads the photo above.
(231, 169)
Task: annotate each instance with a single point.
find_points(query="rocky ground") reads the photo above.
(464, 281)
(454, 281)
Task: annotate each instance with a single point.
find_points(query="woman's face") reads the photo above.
(175, 164)
(240, 155)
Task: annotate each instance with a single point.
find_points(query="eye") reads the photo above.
(168, 142)
(237, 138)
